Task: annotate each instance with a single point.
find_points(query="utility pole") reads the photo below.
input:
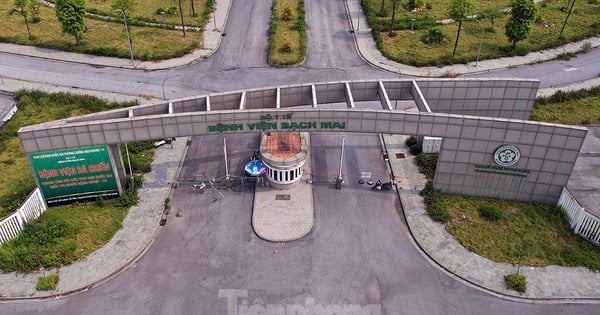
(225, 154)
(340, 179)
(128, 36)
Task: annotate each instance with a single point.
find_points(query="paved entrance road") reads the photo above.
(359, 252)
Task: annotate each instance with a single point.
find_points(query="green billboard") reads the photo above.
(74, 174)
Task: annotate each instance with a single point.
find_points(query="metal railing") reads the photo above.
(583, 223)
(30, 210)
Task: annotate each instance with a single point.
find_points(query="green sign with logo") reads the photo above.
(74, 174)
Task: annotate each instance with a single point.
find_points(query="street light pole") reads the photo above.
(340, 180)
(162, 85)
(128, 36)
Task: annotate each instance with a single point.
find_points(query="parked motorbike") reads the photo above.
(380, 186)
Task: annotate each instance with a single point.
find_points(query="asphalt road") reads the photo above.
(360, 251)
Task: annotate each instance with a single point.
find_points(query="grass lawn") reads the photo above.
(287, 33)
(102, 38)
(533, 234)
(148, 11)
(438, 11)
(575, 108)
(406, 46)
(62, 234)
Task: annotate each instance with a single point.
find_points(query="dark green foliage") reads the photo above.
(435, 207)
(71, 14)
(47, 283)
(516, 282)
(427, 163)
(433, 36)
(566, 56)
(490, 213)
(38, 247)
(416, 149)
(410, 141)
(519, 25)
(561, 96)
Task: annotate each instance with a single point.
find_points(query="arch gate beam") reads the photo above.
(383, 96)
(475, 118)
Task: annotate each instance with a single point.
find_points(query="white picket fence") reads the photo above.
(582, 222)
(30, 210)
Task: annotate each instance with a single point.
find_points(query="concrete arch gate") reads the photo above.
(488, 148)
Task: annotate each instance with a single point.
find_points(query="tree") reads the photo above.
(560, 36)
(20, 10)
(394, 3)
(491, 14)
(519, 24)
(382, 7)
(124, 6)
(71, 14)
(458, 11)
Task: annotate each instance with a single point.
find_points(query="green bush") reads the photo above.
(515, 281)
(38, 247)
(427, 163)
(490, 213)
(416, 149)
(47, 283)
(435, 207)
(433, 36)
(412, 140)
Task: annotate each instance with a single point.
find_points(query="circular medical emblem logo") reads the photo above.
(507, 155)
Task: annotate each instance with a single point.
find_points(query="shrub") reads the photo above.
(287, 14)
(427, 163)
(286, 47)
(567, 55)
(433, 36)
(47, 283)
(490, 213)
(416, 149)
(412, 140)
(38, 247)
(435, 208)
(515, 281)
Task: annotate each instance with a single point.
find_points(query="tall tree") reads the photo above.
(71, 14)
(560, 36)
(20, 9)
(491, 14)
(382, 7)
(394, 3)
(458, 11)
(519, 24)
(124, 6)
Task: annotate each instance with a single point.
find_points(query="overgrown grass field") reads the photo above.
(102, 38)
(406, 46)
(62, 234)
(287, 33)
(148, 10)
(530, 234)
(574, 108)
